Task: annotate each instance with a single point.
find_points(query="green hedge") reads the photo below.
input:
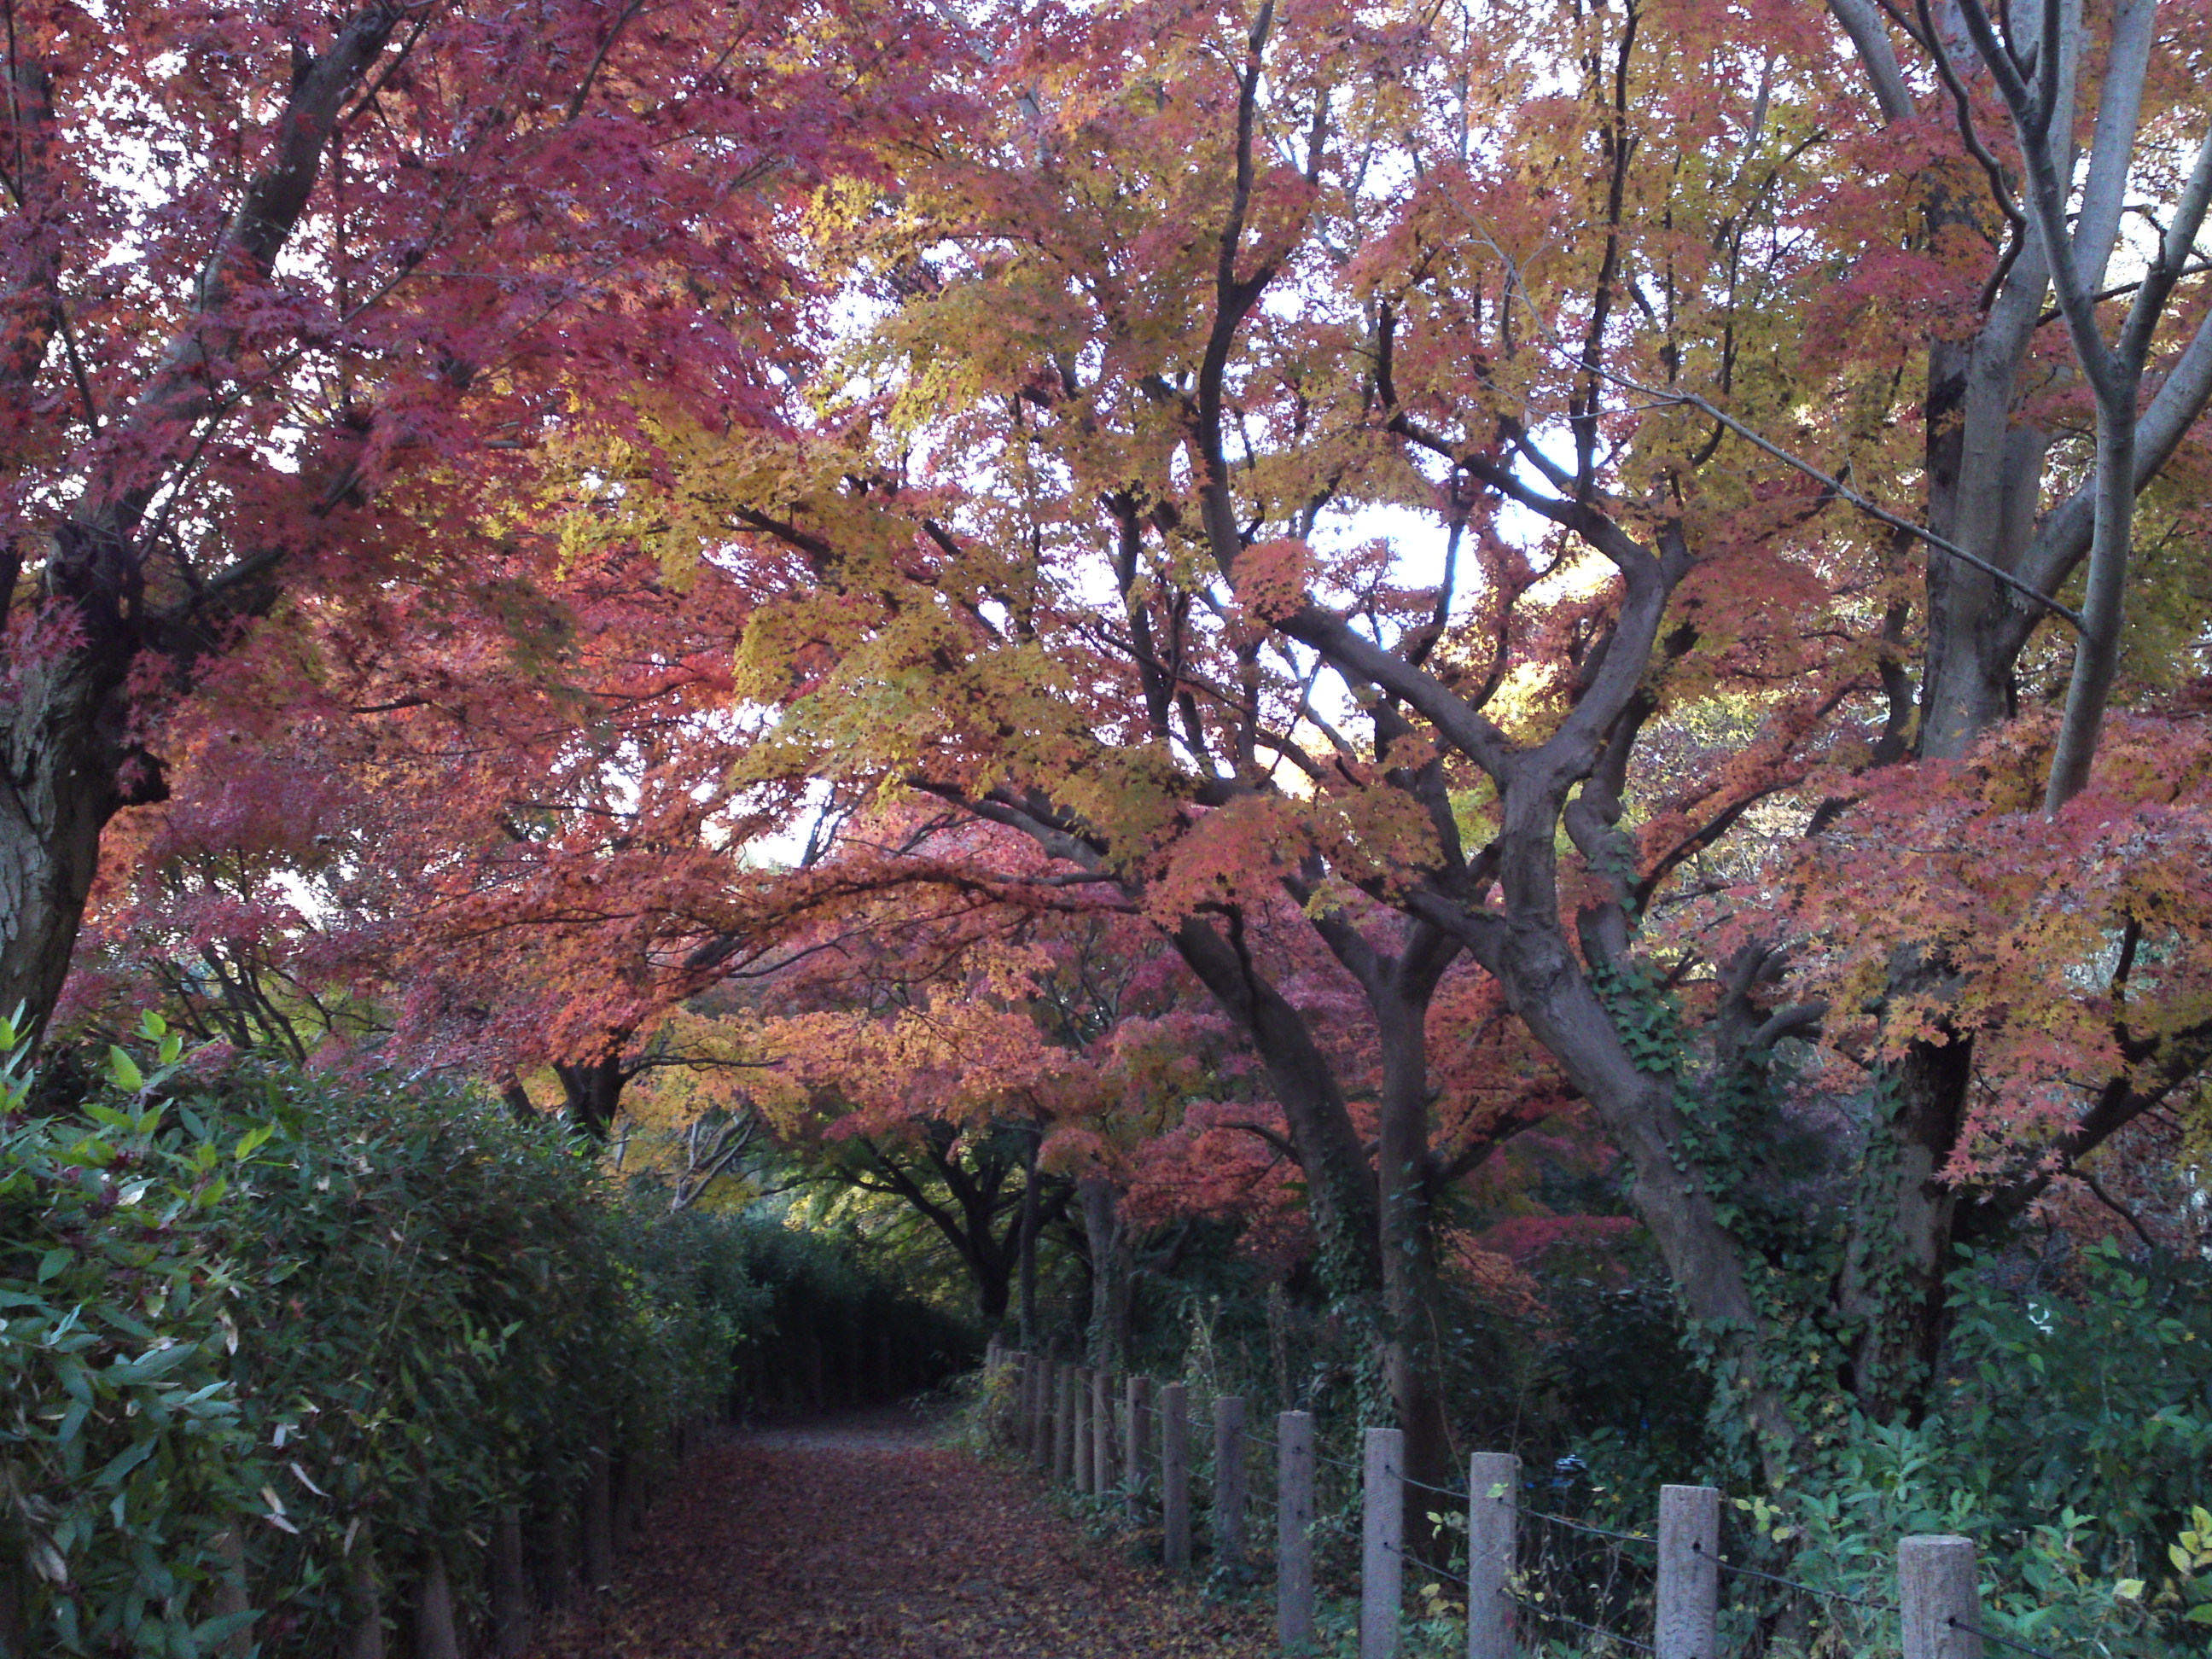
(327, 1322)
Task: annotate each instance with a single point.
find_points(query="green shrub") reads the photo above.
(320, 1316)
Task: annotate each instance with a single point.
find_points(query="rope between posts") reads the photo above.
(1543, 1612)
(2002, 1641)
(1426, 1566)
(1584, 1526)
(1727, 1566)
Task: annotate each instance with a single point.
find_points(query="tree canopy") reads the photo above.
(1411, 631)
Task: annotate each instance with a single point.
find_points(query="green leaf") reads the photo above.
(220, 1629)
(123, 1462)
(123, 1071)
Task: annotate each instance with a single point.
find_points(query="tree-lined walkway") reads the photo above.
(860, 1535)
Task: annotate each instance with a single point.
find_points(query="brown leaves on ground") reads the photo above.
(852, 1541)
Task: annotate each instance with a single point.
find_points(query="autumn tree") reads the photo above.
(1521, 470)
(293, 291)
(497, 834)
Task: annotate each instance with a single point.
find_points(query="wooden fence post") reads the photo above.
(1101, 1432)
(1228, 1482)
(1689, 1572)
(630, 1499)
(1383, 1541)
(1134, 1449)
(598, 1520)
(435, 1635)
(1939, 1597)
(995, 1407)
(1294, 1514)
(1084, 1467)
(364, 1600)
(1494, 1503)
(510, 1588)
(1063, 1421)
(1038, 1445)
(231, 1594)
(1174, 1473)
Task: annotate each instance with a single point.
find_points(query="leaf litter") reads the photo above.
(841, 1541)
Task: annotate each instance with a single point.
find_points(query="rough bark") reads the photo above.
(1113, 1298)
(590, 1091)
(69, 768)
(1341, 1186)
(1903, 1226)
(68, 764)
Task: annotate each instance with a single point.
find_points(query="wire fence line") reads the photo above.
(1458, 1495)
(1198, 1472)
(1430, 1567)
(2002, 1641)
(1803, 1589)
(1556, 1617)
(1585, 1526)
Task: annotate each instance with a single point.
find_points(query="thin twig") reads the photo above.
(1543, 1612)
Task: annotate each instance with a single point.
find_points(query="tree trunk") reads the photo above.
(1413, 1346)
(553, 1541)
(629, 1503)
(1892, 1293)
(590, 1091)
(2097, 652)
(1031, 1136)
(68, 769)
(993, 1284)
(1545, 986)
(1114, 1283)
(1340, 1188)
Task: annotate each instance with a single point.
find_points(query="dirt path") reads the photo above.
(859, 1536)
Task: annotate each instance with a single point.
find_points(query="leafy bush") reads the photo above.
(2071, 1444)
(294, 1320)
